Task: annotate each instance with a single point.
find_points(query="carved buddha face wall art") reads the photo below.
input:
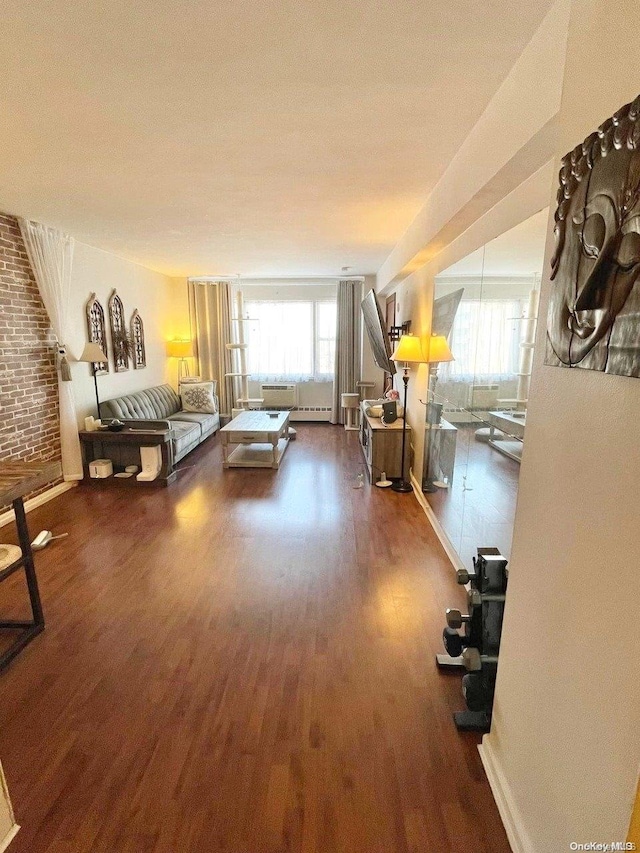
(594, 309)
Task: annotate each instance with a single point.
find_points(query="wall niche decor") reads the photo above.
(119, 334)
(137, 338)
(594, 308)
(96, 331)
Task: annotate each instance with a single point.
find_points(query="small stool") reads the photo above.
(351, 402)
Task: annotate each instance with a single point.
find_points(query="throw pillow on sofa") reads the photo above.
(199, 397)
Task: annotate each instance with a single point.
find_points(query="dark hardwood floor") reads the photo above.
(243, 662)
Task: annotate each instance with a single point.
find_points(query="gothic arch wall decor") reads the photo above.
(594, 307)
(137, 338)
(96, 331)
(119, 333)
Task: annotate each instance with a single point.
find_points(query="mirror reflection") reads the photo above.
(486, 307)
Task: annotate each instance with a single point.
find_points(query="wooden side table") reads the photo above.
(123, 448)
(16, 480)
(382, 445)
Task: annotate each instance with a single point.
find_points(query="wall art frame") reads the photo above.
(139, 354)
(96, 331)
(120, 340)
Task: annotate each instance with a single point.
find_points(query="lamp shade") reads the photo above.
(92, 353)
(439, 349)
(179, 349)
(409, 348)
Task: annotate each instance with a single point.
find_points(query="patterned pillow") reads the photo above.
(199, 397)
(196, 380)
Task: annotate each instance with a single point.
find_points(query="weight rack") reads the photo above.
(476, 650)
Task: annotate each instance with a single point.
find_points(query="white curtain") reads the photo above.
(485, 341)
(348, 345)
(51, 256)
(210, 317)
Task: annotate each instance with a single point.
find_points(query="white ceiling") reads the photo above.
(517, 252)
(264, 138)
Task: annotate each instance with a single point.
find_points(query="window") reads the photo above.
(291, 341)
(485, 341)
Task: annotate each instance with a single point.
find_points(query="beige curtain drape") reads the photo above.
(348, 345)
(210, 317)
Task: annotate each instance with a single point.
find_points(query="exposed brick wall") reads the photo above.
(29, 418)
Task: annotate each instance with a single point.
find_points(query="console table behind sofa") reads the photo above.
(160, 408)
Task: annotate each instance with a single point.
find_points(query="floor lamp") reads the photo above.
(409, 351)
(438, 351)
(92, 353)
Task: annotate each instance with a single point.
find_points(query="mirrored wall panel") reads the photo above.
(486, 306)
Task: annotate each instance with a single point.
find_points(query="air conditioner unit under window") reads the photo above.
(279, 395)
(483, 397)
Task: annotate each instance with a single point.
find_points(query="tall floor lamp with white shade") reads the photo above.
(410, 351)
(438, 351)
(93, 354)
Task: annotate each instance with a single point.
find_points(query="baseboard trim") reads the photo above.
(39, 500)
(518, 838)
(446, 543)
(6, 841)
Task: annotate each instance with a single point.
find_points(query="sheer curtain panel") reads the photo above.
(51, 256)
(348, 345)
(485, 340)
(210, 317)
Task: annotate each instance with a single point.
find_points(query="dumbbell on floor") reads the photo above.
(454, 643)
(463, 576)
(456, 619)
(474, 661)
(477, 692)
(475, 598)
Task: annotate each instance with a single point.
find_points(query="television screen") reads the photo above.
(378, 337)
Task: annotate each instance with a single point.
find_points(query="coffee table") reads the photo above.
(512, 424)
(260, 440)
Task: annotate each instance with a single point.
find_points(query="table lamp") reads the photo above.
(181, 349)
(92, 353)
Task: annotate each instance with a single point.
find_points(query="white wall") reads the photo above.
(151, 293)
(514, 137)
(566, 732)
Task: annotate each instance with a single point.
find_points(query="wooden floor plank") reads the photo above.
(243, 662)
